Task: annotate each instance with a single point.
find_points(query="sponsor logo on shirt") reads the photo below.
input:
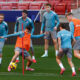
(65, 34)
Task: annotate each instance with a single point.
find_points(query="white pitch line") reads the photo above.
(34, 74)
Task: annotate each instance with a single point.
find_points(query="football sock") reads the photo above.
(73, 69)
(61, 66)
(27, 67)
(56, 52)
(46, 52)
(33, 57)
(0, 60)
(17, 58)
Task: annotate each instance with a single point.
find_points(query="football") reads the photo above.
(13, 65)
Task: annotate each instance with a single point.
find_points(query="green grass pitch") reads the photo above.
(45, 68)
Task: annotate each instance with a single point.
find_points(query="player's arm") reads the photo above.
(37, 36)
(59, 41)
(32, 25)
(16, 26)
(43, 24)
(73, 40)
(5, 31)
(71, 25)
(10, 35)
(6, 28)
(57, 24)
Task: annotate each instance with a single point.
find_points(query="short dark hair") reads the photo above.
(62, 25)
(69, 14)
(29, 28)
(25, 11)
(48, 5)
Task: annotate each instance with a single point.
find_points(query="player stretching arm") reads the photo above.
(26, 45)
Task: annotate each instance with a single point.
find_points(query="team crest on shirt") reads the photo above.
(52, 15)
(3, 26)
(26, 21)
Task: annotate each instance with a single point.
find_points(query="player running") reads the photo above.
(3, 31)
(25, 21)
(65, 48)
(74, 25)
(49, 19)
(26, 46)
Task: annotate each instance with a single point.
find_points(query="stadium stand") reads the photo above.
(2, 0)
(59, 6)
(14, 5)
(12, 0)
(6, 6)
(34, 6)
(22, 6)
(28, 0)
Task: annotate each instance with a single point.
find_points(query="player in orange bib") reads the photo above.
(26, 46)
(74, 25)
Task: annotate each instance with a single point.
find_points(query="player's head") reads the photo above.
(1, 17)
(48, 7)
(62, 26)
(69, 16)
(24, 13)
(28, 28)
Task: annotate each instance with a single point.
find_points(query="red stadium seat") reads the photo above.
(41, 0)
(22, 6)
(12, 0)
(2, 0)
(6, 6)
(68, 5)
(35, 6)
(60, 8)
(53, 2)
(0, 6)
(14, 5)
(28, 0)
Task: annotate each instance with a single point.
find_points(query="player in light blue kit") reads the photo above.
(26, 21)
(49, 22)
(65, 48)
(3, 32)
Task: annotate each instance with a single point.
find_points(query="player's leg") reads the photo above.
(15, 56)
(46, 48)
(58, 60)
(46, 39)
(17, 59)
(76, 49)
(72, 66)
(32, 52)
(17, 52)
(29, 62)
(69, 55)
(1, 47)
(76, 54)
(54, 38)
(13, 59)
